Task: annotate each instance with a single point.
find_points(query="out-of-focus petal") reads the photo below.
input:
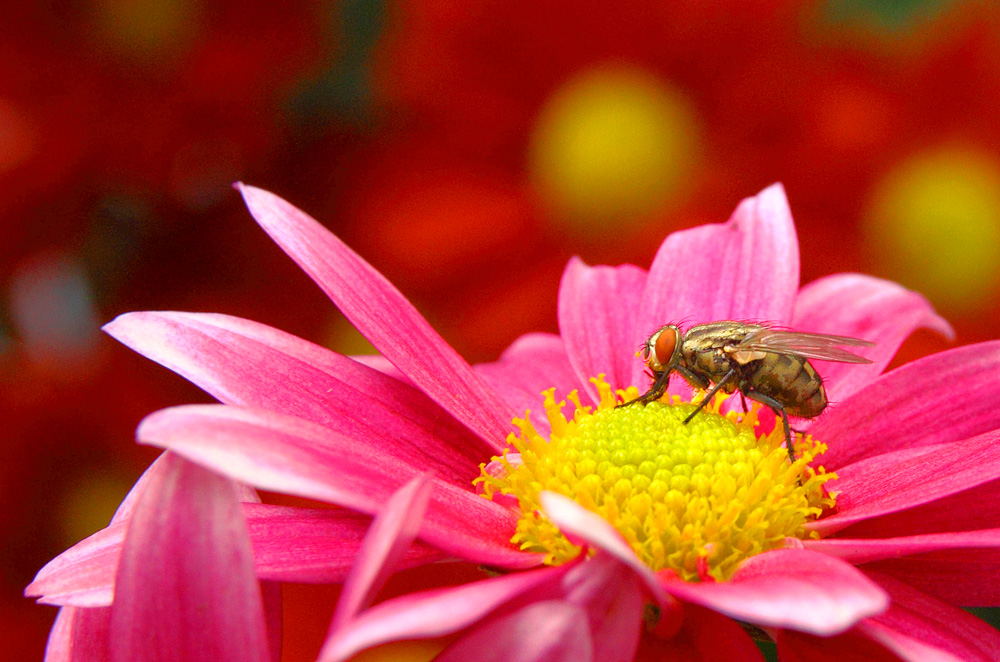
(852, 645)
(390, 533)
(902, 479)
(916, 624)
(583, 527)
(297, 457)
(788, 588)
(863, 307)
(864, 550)
(932, 400)
(80, 635)
(244, 363)
(961, 577)
(597, 311)
(745, 269)
(185, 587)
(439, 612)
(613, 598)
(383, 315)
(549, 631)
(704, 636)
(532, 364)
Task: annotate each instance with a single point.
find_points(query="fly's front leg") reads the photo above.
(655, 391)
(779, 410)
(697, 380)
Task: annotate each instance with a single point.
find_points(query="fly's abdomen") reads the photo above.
(793, 382)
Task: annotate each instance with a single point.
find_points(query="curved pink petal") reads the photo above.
(902, 479)
(532, 364)
(439, 612)
(597, 311)
(390, 534)
(704, 636)
(549, 631)
(961, 577)
(583, 527)
(928, 401)
(383, 315)
(864, 307)
(80, 635)
(744, 269)
(185, 587)
(83, 575)
(864, 550)
(297, 457)
(244, 363)
(917, 624)
(788, 588)
(852, 645)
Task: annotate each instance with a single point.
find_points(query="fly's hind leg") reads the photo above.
(779, 410)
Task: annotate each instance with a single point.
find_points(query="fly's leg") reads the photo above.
(655, 391)
(708, 396)
(779, 410)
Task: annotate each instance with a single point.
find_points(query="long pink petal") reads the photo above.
(297, 457)
(865, 550)
(533, 363)
(80, 635)
(903, 479)
(383, 315)
(963, 577)
(928, 401)
(584, 527)
(788, 588)
(744, 269)
(704, 636)
(83, 575)
(597, 311)
(852, 645)
(439, 612)
(391, 532)
(185, 587)
(916, 622)
(549, 631)
(244, 363)
(864, 307)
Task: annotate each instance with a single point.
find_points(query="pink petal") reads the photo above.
(862, 307)
(705, 636)
(83, 575)
(903, 479)
(383, 315)
(248, 364)
(597, 310)
(788, 588)
(549, 631)
(865, 550)
(390, 534)
(382, 364)
(921, 403)
(185, 587)
(853, 646)
(80, 635)
(314, 545)
(960, 577)
(583, 527)
(439, 612)
(916, 623)
(297, 457)
(744, 269)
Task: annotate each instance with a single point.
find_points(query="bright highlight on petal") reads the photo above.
(697, 499)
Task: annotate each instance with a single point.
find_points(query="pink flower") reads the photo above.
(872, 560)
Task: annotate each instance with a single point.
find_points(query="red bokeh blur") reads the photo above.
(466, 149)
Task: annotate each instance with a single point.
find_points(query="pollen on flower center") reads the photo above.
(695, 498)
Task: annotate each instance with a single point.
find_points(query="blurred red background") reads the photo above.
(467, 150)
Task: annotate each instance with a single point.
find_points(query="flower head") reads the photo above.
(612, 517)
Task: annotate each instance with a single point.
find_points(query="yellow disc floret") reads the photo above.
(695, 498)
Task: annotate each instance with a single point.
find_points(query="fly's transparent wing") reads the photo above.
(807, 345)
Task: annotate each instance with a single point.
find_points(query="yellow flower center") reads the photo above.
(695, 498)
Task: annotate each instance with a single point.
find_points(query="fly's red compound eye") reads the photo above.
(664, 346)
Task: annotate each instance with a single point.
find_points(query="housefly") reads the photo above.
(765, 364)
